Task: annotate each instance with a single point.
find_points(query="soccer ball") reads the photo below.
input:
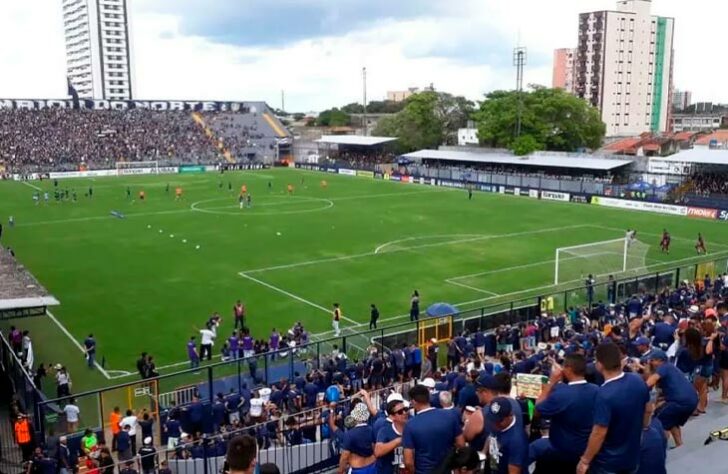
(171, 236)
(278, 233)
(149, 226)
(160, 231)
(184, 241)
(197, 247)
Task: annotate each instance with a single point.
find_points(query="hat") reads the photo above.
(499, 409)
(694, 308)
(148, 440)
(429, 382)
(397, 397)
(642, 341)
(487, 382)
(360, 413)
(710, 312)
(657, 354)
(433, 340)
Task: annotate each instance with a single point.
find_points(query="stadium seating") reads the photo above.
(63, 139)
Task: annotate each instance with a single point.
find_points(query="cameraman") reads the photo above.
(568, 401)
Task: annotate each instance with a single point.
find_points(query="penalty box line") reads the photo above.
(301, 300)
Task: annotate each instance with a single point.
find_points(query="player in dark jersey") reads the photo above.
(700, 245)
(665, 242)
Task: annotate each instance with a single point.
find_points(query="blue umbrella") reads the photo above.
(441, 309)
(639, 186)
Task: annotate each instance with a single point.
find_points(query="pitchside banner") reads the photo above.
(94, 104)
(640, 206)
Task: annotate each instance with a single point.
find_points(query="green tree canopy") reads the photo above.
(552, 118)
(333, 118)
(428, 120)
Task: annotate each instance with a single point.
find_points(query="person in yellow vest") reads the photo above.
(24, 436)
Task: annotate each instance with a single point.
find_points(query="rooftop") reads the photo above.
(358, 140)
(18, 288)
(699, 156)
(536, 160)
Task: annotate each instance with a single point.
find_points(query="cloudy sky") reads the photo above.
(315, 49)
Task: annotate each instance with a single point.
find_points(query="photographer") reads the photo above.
(568, 401)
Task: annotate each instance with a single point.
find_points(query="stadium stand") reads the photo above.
(63, 139)
(293, 419)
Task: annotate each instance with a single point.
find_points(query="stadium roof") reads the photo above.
(18, 288)
(543, 161)
(357, 140)
(699, 156)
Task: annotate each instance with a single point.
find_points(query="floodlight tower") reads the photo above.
(364, 85)
(519, 61)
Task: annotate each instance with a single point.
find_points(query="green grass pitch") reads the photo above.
(140, 283)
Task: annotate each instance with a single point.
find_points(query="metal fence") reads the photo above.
(154, 398)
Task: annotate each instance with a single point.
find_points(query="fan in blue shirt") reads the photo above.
(681, 399)
(388, 448)
(569, 406)
(653, 454)
(508, 445)
(614, 443)
(429, 436)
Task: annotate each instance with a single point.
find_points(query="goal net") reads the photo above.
(610, 257)
(137, 167)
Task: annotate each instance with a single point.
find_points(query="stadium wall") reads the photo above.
(693, 212)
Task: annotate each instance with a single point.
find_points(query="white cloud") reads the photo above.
(465, 52)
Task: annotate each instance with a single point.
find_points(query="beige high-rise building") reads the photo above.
(623, 66)
(99, 48)
(563, 77)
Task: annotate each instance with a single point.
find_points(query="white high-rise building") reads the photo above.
(99, 48)
(623, 66)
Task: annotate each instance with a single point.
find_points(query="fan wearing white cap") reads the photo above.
(388, 447)
(148, 456)
(384, 421)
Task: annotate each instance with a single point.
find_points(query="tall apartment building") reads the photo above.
(98, 48)
(681, 100)
(623, 66)
(563, 77)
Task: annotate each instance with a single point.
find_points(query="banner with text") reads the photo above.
(640, 206)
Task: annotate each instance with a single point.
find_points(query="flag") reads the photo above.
(73, 93)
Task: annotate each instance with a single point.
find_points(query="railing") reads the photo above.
(155, 397)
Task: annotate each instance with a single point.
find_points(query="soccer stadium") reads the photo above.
(529, 283)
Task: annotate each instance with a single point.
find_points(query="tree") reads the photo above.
(524, 145)
(333, 118)
(428, 119)
(554, 120)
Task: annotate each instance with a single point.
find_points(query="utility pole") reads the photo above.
(519, 61)
(283, 100)
(364, 84)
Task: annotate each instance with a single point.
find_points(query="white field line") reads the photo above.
(291, 295)
(463, 285)
(32, 186)
(75, 342)
(414, 247)
(99, 218)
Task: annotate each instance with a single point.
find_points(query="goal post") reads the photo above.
(608, 257)
(137, 167)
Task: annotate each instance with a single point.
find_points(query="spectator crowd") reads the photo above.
(619, 381)
(57, 139)
(709, 183)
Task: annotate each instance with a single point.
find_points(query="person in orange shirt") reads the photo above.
(243, 189)
(114, 419)
(178, 193)
(324, 184)
(290, 189)
(141, 195)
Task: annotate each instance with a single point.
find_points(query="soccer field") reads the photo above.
(140, 283)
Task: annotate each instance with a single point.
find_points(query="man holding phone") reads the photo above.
(568, 401)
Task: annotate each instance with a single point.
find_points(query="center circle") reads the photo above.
(320, 205)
